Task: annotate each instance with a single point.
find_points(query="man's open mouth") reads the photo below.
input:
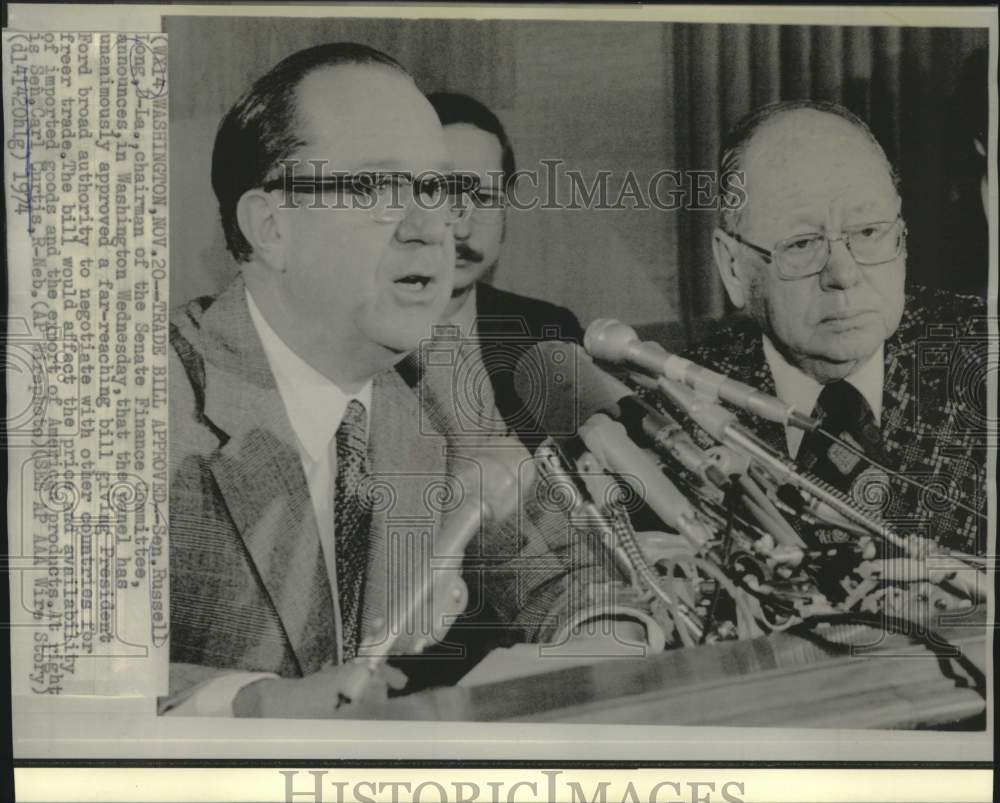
(414, 281)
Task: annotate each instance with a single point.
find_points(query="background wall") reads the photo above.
(600, 96)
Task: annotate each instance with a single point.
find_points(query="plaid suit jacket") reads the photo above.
(934, 413)
(249, 588)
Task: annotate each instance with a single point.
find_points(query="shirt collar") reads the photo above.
(315, 405)
(802, 391)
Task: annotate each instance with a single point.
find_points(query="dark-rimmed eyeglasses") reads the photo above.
(806, 255)
(387, 196)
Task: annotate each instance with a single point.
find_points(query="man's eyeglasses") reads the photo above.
(487, 206)
(388, 196)
(807, 254)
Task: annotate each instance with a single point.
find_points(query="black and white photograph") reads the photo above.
(578, 372)
(600, 402)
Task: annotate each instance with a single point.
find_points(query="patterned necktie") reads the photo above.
(352, 518)
(846, 414)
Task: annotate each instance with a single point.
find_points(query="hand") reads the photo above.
(317, 696)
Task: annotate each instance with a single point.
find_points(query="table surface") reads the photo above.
(780, 679)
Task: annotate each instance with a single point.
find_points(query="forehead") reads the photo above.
(472, 149)
(806, 161)
(367, 115)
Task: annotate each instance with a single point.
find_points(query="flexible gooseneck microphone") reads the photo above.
(566, 388)
(486, 485)
(615, 342)
(722, 425)
(582, 399)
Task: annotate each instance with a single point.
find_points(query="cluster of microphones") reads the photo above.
(737, 505)
(731, 556)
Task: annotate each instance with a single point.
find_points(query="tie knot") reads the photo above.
(353, 429)
(843, 406)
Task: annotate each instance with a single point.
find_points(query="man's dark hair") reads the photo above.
(735, 143)
(260, 130)
(453, 108)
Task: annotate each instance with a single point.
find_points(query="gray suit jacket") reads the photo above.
(249, 587)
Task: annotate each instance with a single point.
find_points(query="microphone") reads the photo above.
(722, 425)
(570, 401)
(667, 436)
(485, 487)
(613, 341)
(611, 445)
(585, 399)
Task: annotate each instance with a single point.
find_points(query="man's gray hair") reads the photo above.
(736, 142)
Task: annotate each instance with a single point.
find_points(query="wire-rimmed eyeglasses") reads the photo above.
(805, 255)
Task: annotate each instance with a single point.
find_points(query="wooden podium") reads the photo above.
(885, 681)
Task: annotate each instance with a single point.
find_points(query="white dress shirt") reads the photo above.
(797, 388)
(315, 407)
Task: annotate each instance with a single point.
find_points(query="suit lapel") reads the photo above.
(492, 348)
(899, 425)
(755, 371)
(504, 336)
(259, 474)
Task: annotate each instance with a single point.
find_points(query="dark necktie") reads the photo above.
(846, 414)
(352, 518)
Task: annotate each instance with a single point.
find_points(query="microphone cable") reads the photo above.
(835, 439)
(942, 649)
(625, 537)
(732, 499)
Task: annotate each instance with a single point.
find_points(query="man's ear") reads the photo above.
(256, 214)
(731, 270)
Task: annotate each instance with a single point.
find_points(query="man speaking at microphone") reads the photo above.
(288, 397)
(816, 259)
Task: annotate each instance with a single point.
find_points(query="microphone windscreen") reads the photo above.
(560, 387)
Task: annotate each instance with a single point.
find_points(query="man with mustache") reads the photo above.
(301, 466)
(497, 325)
(816, 259)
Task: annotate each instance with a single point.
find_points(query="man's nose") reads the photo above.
(462, 228)
(427, 223)
(842, 270)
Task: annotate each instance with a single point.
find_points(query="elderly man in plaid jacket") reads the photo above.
(816, 258)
